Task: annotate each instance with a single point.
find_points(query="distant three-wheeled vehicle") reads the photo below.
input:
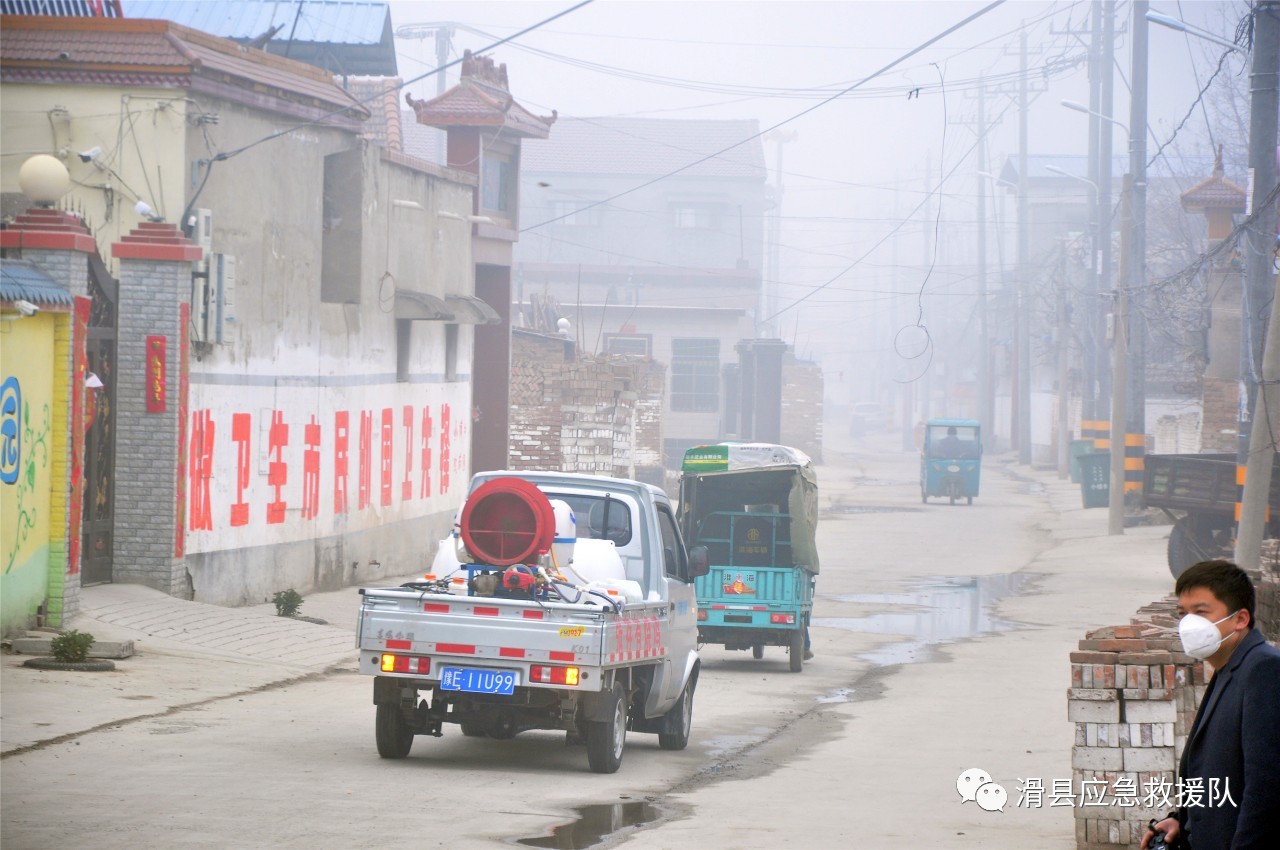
(951, 459)
(755, 507)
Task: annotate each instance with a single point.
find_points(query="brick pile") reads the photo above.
(1266, 582)
(1133, 698)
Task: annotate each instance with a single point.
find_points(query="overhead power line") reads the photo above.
(904, 57)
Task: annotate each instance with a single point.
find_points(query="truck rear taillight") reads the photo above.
(702, 614)
(405, 664)
(553, 675)
(786, 619)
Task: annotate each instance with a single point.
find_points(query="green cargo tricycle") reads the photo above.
(755, 507)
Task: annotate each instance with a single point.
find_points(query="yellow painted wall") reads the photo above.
(141, 133)
(28, 427)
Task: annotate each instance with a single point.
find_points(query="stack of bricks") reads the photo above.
(1133, 698)
(1266, 583)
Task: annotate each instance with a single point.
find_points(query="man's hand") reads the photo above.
(1169, 826)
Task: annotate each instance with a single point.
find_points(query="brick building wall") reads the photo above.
(802, 406)
(1220, 416)
(574, 413)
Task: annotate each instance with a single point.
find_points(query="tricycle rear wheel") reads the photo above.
(797, 650)
(757, 651)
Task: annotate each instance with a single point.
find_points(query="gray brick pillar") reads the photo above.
(60, 244)
(151, 398)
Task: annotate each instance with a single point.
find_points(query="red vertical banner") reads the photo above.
(79, 425)
(184, 392)
(202, 432)
(277, 468)
(425, 491)
(387, 447)
(364, 484)
(241, 434)
(444, 449)
(157, 380)
(341, 438)
(311, 469)
(406, 486)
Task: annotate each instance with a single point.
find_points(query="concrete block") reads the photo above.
(1093, 694)
(1150, 711)
(100, 648)
(1093, 711)
(1149, 758)
(1098, 758)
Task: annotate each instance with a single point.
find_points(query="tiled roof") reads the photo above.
(351, 37)
(647, 146)
(109, 50)
(381, 96)
(23, 280)
(1214, 193)
(481, 99)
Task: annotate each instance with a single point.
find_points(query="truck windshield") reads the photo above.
(599, 517)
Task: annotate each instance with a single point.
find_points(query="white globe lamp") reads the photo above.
(44, 179)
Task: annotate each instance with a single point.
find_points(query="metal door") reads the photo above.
(97, 524)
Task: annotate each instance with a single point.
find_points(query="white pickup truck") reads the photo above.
(560, 656)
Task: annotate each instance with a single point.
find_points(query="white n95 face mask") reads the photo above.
(1200, 637)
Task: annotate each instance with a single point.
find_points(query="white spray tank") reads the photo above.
(566, 538)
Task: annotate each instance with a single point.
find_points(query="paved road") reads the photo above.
(858, 750)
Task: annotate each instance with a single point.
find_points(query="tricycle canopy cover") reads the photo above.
(733, 476)
(723, 457)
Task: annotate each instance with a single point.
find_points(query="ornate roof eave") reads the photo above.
(481, 99)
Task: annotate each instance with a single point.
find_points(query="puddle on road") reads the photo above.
(941, 611)
(838, 695)
(595, 824)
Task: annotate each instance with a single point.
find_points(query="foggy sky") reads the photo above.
(860, 163)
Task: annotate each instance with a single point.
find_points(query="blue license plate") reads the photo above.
(476, 681)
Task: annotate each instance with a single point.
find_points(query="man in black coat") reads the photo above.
(1230, 767)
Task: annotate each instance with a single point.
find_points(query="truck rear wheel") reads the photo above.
(757, 651)
(606, 738)
(679, 720)
(797, 650)
(392, 732)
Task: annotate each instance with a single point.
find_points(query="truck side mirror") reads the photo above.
(699, 562)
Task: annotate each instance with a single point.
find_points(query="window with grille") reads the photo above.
(627, 344)
(695, 374)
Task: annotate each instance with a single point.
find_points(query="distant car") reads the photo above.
(867, 418)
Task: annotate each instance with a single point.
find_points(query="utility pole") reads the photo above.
(768, 288)
(444, 35)
(1257, 441)
(1105, 228)
(926, 233)
(985, 412)
(1022, 342)
(1064, 356)
(1137, 367)
(1093, 336)
(1119, 359)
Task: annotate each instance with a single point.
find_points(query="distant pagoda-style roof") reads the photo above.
(481, 99)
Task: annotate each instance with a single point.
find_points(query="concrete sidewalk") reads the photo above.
(185, 653)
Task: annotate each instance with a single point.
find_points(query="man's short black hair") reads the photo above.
(951, 431)
(1222, 578)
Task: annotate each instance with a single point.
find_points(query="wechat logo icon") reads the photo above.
(975, 786)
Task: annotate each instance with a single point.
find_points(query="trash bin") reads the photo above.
(1077, 448)
(1095, 479)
